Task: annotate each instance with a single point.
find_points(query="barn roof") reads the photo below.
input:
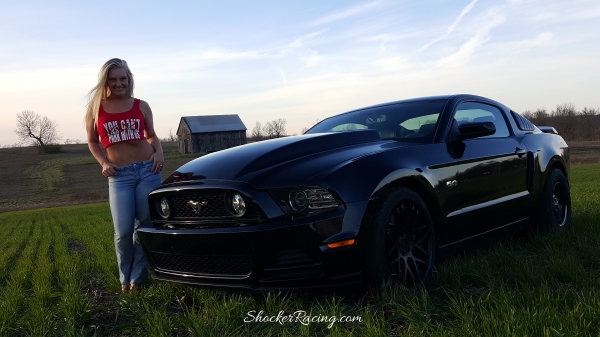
(214, 123)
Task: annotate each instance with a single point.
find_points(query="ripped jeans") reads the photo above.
(128, 193)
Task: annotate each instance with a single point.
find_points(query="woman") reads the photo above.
(133, 162)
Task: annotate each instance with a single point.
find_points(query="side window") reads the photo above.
(479, 112)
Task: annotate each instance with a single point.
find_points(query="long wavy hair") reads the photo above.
(101, 91)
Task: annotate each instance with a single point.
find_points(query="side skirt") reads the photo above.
(451, 249)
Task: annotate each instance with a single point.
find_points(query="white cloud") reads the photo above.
(283, 76)
(385, 38)
(393, 64)
(312, 58)
(467, 49)
(345, 13)
(301, 41)
(545, 16)
(449, 30)
(539, 40)
(218, 55)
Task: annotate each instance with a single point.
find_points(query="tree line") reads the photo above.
(272, 129)
(571, 124)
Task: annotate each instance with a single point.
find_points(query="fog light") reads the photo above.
(164, 210)
(238, 204)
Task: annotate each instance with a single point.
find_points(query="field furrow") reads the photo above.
(16, 290)
(74, 304)
(41, 313)
(13, 244)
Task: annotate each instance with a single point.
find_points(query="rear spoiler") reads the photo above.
(548, 129)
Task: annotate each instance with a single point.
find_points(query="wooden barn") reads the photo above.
(205, 134)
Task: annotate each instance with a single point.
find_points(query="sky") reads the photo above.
(299, 60)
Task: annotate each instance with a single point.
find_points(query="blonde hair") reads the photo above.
(101, 91)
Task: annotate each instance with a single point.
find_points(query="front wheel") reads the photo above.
(400, 241)
(554, 207)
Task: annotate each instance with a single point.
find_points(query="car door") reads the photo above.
(492, 172)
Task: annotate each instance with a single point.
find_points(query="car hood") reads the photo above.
(287, 161)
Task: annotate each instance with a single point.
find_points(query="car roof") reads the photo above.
(426, 98)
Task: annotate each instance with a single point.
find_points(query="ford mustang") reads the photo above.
(371, 195)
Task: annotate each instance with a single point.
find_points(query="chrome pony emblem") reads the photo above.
(196, 206)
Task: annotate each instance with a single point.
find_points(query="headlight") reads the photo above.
(307, 199)
(298, 200)
(163, 208)
(236, 204)
(319, 198)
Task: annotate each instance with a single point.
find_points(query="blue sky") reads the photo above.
(302, 60)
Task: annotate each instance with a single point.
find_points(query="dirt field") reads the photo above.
(32, 180)
(584, 152)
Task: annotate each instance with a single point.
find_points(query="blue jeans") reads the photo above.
(128, 193)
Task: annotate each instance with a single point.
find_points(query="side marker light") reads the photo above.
(340, 244)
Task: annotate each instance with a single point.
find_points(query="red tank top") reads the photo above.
(121, 127)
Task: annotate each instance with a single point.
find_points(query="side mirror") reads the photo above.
(474, 130)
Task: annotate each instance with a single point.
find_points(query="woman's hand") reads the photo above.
(159, 160)
(152, 139)
(108, 169)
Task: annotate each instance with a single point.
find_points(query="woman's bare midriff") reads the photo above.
(126, 153)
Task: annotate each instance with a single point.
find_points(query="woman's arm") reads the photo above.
(152, 138)
(94, 146)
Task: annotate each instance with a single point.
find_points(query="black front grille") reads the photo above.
(203, 264)
(207, 206)
(292, 264)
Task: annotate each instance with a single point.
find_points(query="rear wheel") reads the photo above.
(554, 207)
(401, 241)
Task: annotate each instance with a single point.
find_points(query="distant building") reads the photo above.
(205, 134)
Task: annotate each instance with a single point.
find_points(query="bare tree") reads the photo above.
(279, 127)
(564, 110)
(257, 132)
(540, 114)
(590, 112)
(527, 114)
(564, 120)
(37, 129)
(274, 128)
(269, 130)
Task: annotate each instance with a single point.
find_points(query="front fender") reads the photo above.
(549, 151)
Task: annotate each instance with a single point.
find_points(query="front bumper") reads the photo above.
(282, 253)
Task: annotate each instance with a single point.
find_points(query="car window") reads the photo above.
(411, 121)
(479, 112)
(349, 126)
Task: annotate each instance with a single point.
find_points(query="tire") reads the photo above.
(400, 241)
(554, 207)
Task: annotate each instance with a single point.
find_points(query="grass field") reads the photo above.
(58, 277)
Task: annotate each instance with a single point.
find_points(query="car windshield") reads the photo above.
(410, 121)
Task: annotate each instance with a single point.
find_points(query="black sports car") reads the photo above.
(370, 195)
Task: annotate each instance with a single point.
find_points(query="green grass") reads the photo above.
(58, 277)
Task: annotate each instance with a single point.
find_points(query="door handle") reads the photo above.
(520, 152)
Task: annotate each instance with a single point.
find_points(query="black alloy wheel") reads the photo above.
(559, 205)
(554, 206)
(402, 245)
